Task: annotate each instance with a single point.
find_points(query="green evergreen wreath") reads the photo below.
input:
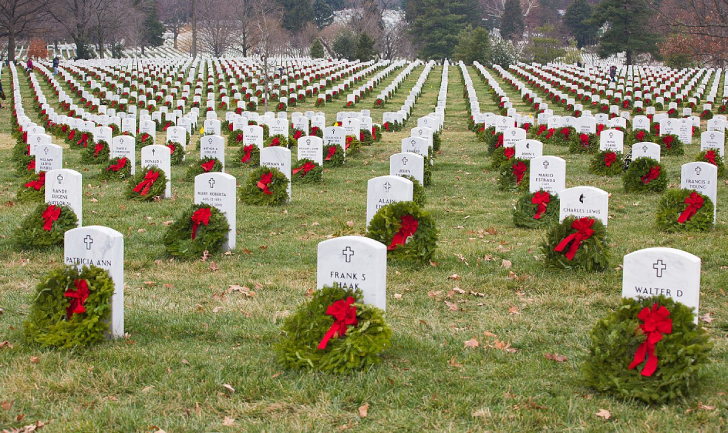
(671, 206)
(20, 152)
(599, 167)
(197, 168)
(562, 136)
(315, 175)
(155, 190)
(670, 144)
(249, 151)
(507, 180)
(639, 168)
(717, 160)
(251, 194)
(584, 143)
(525, 210)
(48, 323)
(281, 141)
(498, 157)
(494, 141)
(427, 172)
(27, 192)
(235, 138)
(108, 173)
(436, 141)
(178, 152)
(178, 240)
(143, 139)
(96, 153)
(418, 191)
(335, 159)
(359, 349)
(638, 136)
(387, 223)
(593, 253)
(366, 137)
(31, 233)
(25, 166)
(615, 339)
(353, 145)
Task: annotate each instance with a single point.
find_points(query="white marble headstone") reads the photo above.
(48, 157)
(612, 140)
(218, 190)
(408, 164)
(646, 149)
(124, 146)
(713, 140)
(279, 158)
(160, 157)
(584, 201)
(64, 187)
(547, 173)
(703, 178)
(384, 190)
(311, 147)
(529, 149)
(213, 146)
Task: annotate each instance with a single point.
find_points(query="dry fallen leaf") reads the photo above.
(603, 413)
(481, 413)
(364, 410)
(706, 318)
(214, 267)
(472, 343)
(34, 359)
(452, 363)
(452, 306)
(216, 309)
(555, 357)
(458, 290)
(228, 387)
(506, 264)
(454, 277)
(514, 310)
(5, 345)
(228, 422)
(489, 334)
(6, 405)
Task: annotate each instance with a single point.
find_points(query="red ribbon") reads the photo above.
(145, 137)
(248, 150)
(374, 135)
(583, 232)
(408, 227)
(143, 187)
(509, 152)
(565, 132)
(200, 216)
(37, 184)
(172, 147)
(710, 157)
(584, 138)
(652, 175)
(72, 134)
(314, 130)
(349, 139)
(298, 134)
(98, 149)
(305, 167)
(694, 202)
(207, 166)
(640, 135)
(78, 298)
(331, 152)
(655, 325)
(519, 169)
(84, 140)
(609, 158)
(239, 138)
(119, 165)
(542, 129)
(550, 133)
(668, 141)
(600, 128)
(31, 165)
(275, 142)
(499, 141)
(50, 214)
(265, 181)
(344, 315)
(230, 127)
(541, 199)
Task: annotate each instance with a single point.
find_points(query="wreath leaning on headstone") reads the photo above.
(276, 140)
(514, 175)
(235, 138)
(45, 226)
(353, 145)
(333, 155)
(334, 332)
(712, 157)
(684, 210)
(658, 330)
(645, 174)
(577, 243)
(149, 183)
(670, 144)
(33, 190)
(143, 139)
(607, 163)
(71, 307)
(536, 210)
(118, 168)
(177, 153)
(205, 165)
(584, 143)
(96, 153)
(265, 187)
(409, 232)
(418, 191)
(248, 155)
(306, 171)
(200, 228)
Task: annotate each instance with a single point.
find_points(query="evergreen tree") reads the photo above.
(512, 20)
(365, 47)
(473, 45)
(577, 20)
(345, 45)
(323, 14)
(545, 48)
(629, 28)
(317, 49)
(296, 13)
(153, 27)
(435, 24)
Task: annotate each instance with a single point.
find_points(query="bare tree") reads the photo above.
(395, 41)
(495, 8)
(78, 18)
(174, 14)
(219, 29)
(110, 17)
(19, 18)
(268, 18)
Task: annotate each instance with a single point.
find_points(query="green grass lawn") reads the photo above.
(188, 338)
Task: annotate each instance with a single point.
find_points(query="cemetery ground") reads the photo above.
(484, 338)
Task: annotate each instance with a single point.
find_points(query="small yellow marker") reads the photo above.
(202, 130)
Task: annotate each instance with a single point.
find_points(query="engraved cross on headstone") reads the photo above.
(387, 186)
(211, 182)
(404, 161)
(698, 170)
(88, 240)
(660, 267)
(59, 178)
(348, 252)
(546, 165)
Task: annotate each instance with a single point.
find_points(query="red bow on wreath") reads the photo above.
(83, 140)
(331, 152)
(519, 169)
(583, 232)
(668, 141)
(200, 216)
(652, 175)
(31, 165)
(239, 138)
(541, 130)
(509, 152)
(207, 166)
(298, 134)
(640, 135)
(50, 214)
(145, 137)
(344, 314)
(118, 166)
(171, 147)
(584, 138)
(349, 140)
(609, 158)
(541, 199)
(550, 133)
(655, 325)
(143, 187)
(98, 148)
(248, 150)
(408, 227)
(710, 157)
(275, 142)
(499, 141)
(305, 167)
(78, 298)
(265, 181)
(37, 184)
(694, 202)
(565, 132)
